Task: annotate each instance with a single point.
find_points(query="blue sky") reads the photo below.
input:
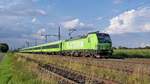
(127, 21)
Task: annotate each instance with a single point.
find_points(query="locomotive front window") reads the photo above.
(104, 38)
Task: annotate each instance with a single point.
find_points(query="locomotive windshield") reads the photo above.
(104, 38)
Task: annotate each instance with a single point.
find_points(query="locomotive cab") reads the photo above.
(104, 43)
(101, 43)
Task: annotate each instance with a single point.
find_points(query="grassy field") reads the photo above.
(16, 71)
(137, 77)
(131, 53)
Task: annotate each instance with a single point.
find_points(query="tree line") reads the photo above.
(4, 47)
(122, 47)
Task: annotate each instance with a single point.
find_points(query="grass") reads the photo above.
(13, 71)
(136, 78)
(5, 70)
(131, 53)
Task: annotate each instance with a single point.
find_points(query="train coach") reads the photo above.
(93, 44)
(49, 48)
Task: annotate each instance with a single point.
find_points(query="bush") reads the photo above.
(3, 47)
(131, 53)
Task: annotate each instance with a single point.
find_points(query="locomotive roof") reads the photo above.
(77, 37)
(93, 32)
(84, 36)
(50, 43)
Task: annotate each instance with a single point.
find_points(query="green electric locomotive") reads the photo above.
(93, 44)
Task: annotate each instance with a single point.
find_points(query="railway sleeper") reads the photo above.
(77, 77)
(62, 80)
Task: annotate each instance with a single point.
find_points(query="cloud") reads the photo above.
(146, 27)
(34, 20)
(72, 23)
(41, 31)
(99, 18)
(76, 23)
(117, 1)
(144, 44)
(39, 34)
(17, 17)
(20, 8)
(131, 39)
(40, 11)
(19, 20)
(130, 21)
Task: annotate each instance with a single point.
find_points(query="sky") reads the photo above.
(22, 21)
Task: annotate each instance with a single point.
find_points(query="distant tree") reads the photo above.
(4, 47)
(16, 50)
(147, 47)
(114, 47)
(138, 48)
(121, 47)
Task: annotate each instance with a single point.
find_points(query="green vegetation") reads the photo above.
(131, 53)
(4, 47)
(137, 77)
(14, 72)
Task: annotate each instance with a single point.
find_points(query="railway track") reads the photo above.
(126, 61)
(61, 80)
(128, 71)
(71, 76)
(125, 66)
